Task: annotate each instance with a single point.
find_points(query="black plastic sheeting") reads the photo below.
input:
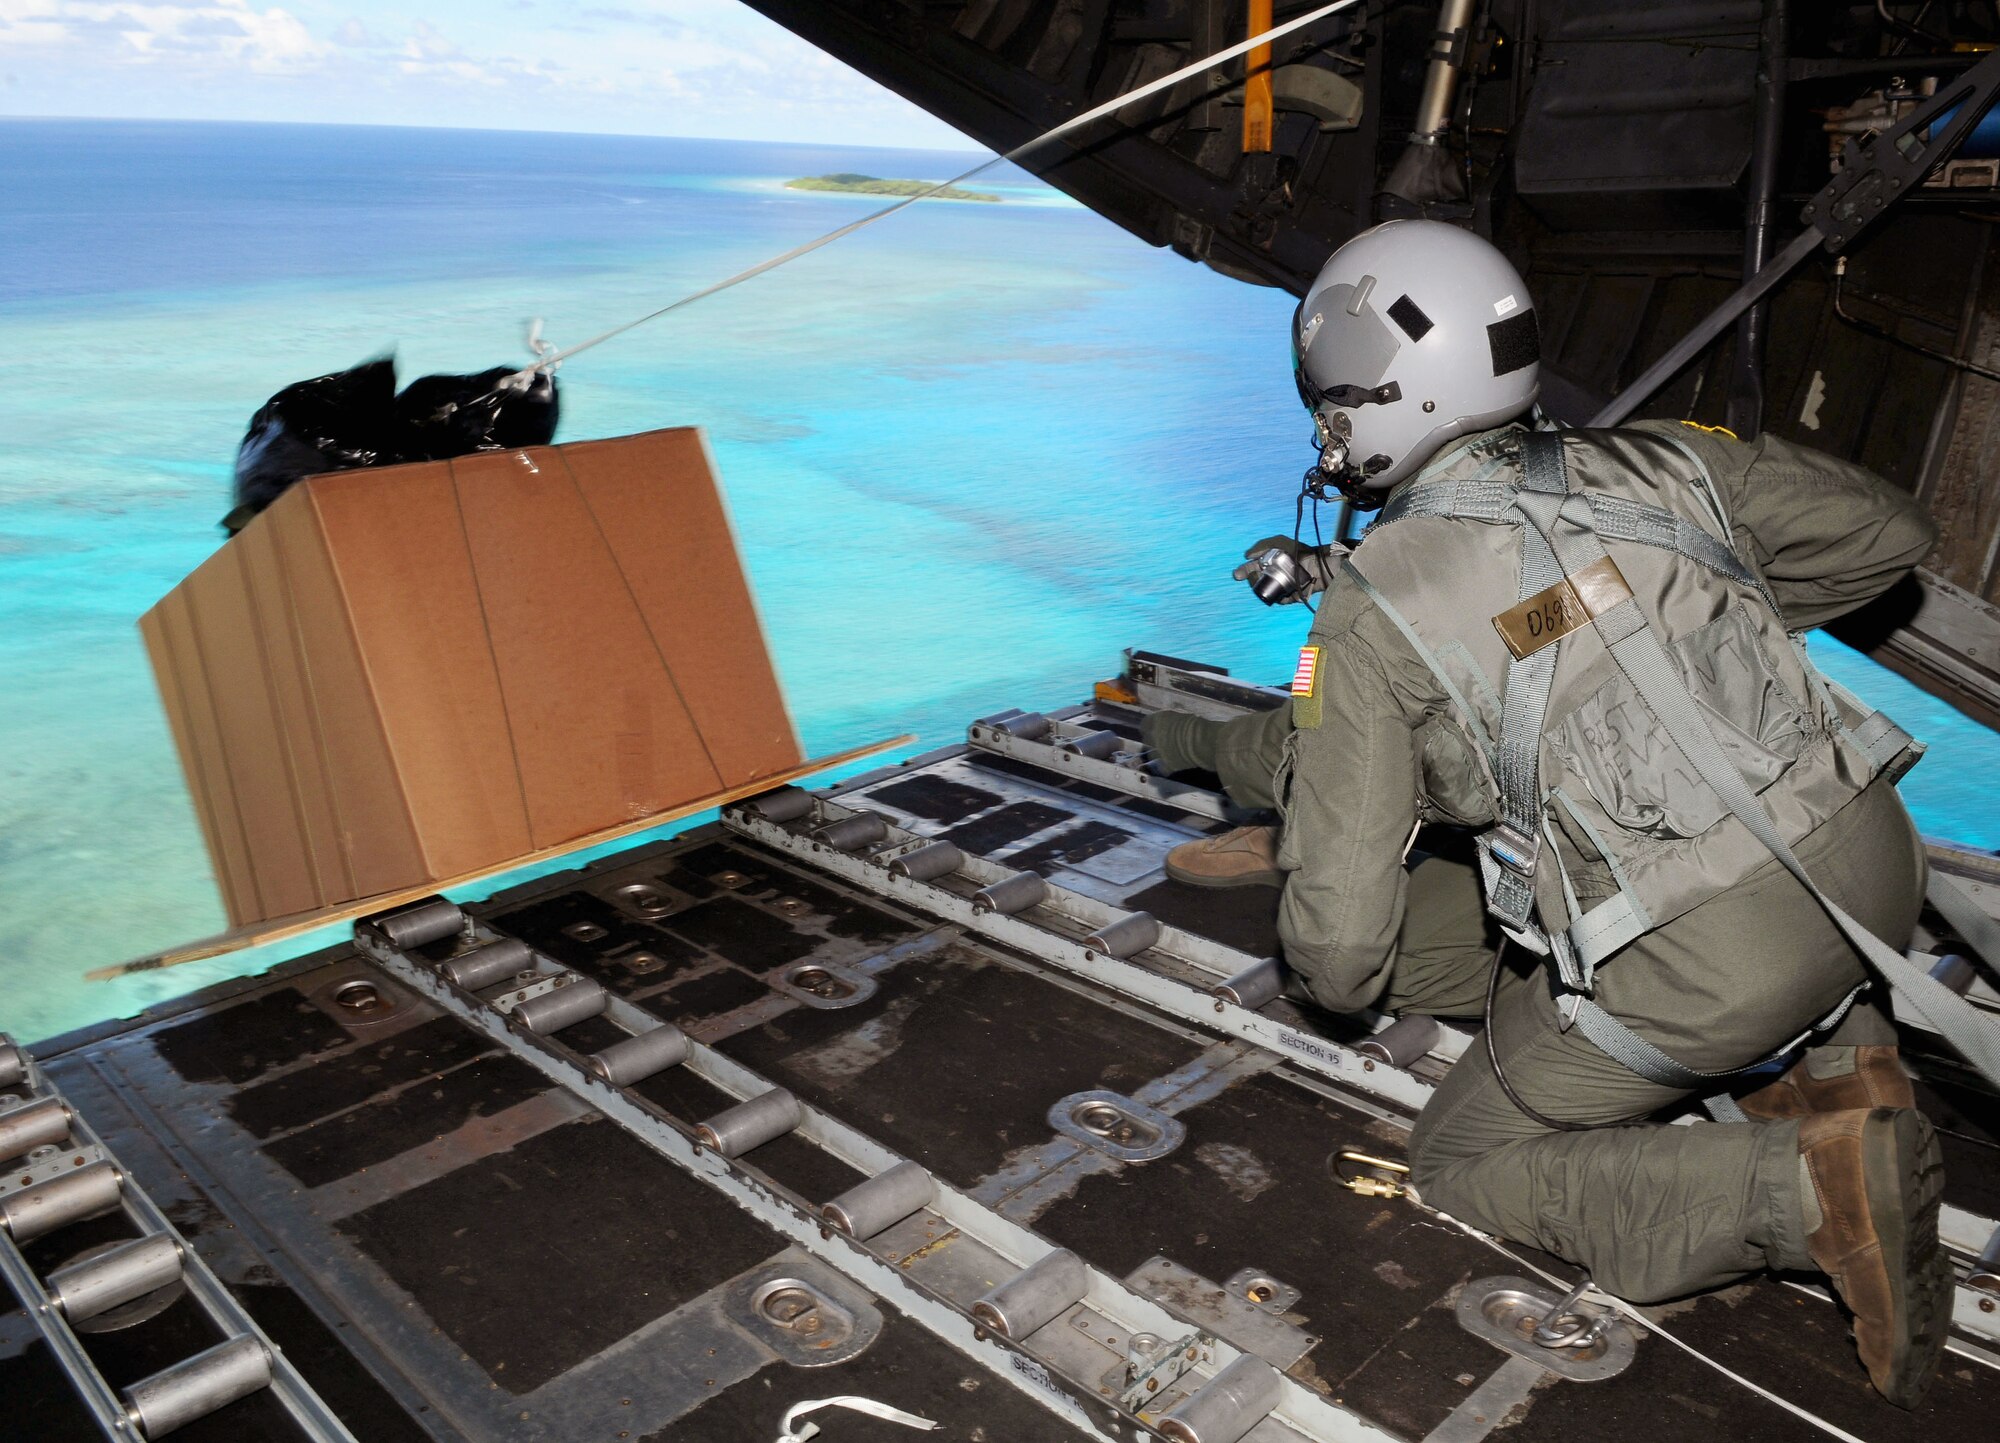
(355, 418)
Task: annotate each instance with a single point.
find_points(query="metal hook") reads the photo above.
(1363, 1183)
(541, 350)
(1585, 1329)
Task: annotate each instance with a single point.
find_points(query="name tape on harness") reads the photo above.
(1555, 611)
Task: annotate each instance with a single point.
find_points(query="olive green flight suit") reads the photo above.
(1653, 1211)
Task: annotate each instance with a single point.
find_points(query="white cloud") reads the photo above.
(674, 67)
(225, 33)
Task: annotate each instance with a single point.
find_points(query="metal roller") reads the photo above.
(783, 804)
(634, 1059)
(1228, 1405)
(57, 1203)
(928, 862)
(1985, 1273)
(851, 834)
(484, 966)
(198, 1386)
(1126, 936)
(429, 921)
(1261, 982)
(13, 1064)
(1101, 745)
(751, 1123)
(1035, 1296)
(1011, 894)
(32, 1125)
(1955, 972)
(882, 1201)
(564, 1007)
(1029, 726)
(1402, 1041)
(114, 1278)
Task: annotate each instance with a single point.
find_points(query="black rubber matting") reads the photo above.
(710, 859)
(1028, 772)
(748, 936)
(699, 998)
(937, 799)
(1071, 845)
(1245, 918)
(535, 1259)
(244, 1041)
(985, 835)
(349, 1078)
(377, 1131)
(956, 1060)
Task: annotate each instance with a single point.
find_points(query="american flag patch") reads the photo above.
(1305, 680)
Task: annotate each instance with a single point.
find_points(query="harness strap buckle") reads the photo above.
(1519, 852)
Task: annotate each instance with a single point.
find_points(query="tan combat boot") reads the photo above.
(1245, 857)
(1875, 1176)
(1833, 1079)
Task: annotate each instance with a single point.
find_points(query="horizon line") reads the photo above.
(487, 130)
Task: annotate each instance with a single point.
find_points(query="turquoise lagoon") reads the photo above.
(970, 453)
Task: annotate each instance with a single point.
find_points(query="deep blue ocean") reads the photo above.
(971, 453)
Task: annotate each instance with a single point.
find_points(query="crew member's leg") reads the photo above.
(1445, 947)
(1656, 1211)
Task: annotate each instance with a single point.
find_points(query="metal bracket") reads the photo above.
(821, 984)
(1111, 1123)
(520, 991)
(1046, 751)
(1877, 168)
(49, 1162)
(1259, 1289)
(1507, 1311)
(801, 1321)
(1152, 1365)
(360, 1002)
(1223, 1312)
(644, 901)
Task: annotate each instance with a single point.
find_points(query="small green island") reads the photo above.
(851, 184)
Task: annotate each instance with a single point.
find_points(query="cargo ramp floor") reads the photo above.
(451, 1227)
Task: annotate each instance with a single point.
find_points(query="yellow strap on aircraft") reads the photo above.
(1259, 105)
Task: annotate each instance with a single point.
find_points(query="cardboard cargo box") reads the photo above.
(398, 676)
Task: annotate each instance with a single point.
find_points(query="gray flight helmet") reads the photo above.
(1414, 333)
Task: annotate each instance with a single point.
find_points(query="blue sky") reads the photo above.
(652, 67)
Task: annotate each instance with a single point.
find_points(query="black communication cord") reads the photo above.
(1493, 1056)
(1299, 525)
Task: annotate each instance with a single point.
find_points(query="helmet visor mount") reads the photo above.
(1340, 342)
(1346, 337)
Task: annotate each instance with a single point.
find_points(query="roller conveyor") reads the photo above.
(1025, 1283)
(841, 1095)
(60, 1175)
(1203, 982)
